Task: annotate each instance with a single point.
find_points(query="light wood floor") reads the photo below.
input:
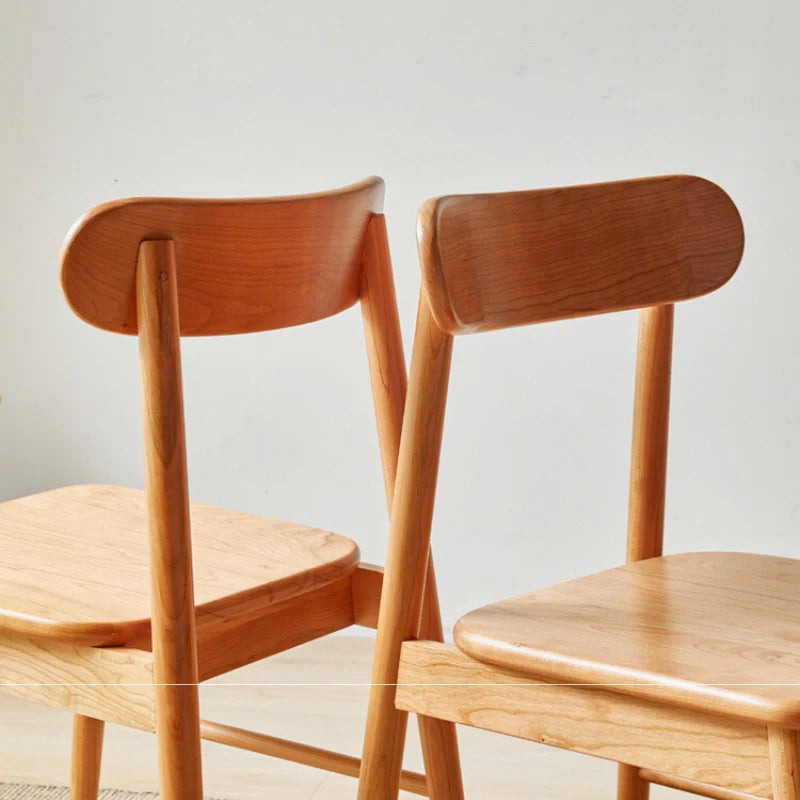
(298, 698)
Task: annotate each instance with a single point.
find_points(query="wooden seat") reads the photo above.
(75, 564)
(700, 630)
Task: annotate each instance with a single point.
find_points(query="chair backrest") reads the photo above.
(492, 261)
(244, 265)
(497, 260)
(166, 268)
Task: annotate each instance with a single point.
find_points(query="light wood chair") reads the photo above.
(682, 668)
(93, 623)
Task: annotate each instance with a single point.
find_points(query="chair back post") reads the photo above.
(387, 366)
(648, 477)
(387, 369)
(409, 548)
(648, 474)
(172, 594)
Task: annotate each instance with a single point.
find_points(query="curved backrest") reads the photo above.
(498, 260)
(243, 265)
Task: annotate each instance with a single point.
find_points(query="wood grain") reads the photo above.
(685, 785)
(245, 265)
(114, 684)
(498, 260)
(648, 471)
(389, 385)
(167, 497)
(241, 636)
(300, 753)
(367, 584)
(631, 784)
(496, 767)
(784, 755)
(384, 342)
(648, 478)
(87, 751)
(407, 561)
(442, 681)
(710, 631)
(99, 534)
(438, 736)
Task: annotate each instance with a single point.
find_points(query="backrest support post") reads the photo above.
(407, 561)
(648, 475)
(387, 366)
(387, 369)
(166, 487)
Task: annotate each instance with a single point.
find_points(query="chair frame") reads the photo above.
(701, 750)
(156, 688)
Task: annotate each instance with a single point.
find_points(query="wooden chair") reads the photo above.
(88, 622)
(682, 668)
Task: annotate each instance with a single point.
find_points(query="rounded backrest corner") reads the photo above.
(378, 187)
(731, 218)
(433, 280)
(709, 207)
(65, 267)
(79, 295)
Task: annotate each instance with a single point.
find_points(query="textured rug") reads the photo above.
(16, 791)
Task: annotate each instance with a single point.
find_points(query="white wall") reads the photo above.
(105, 99)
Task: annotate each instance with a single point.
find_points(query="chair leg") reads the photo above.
(784, 759)
(629, 785)
(87, 750)
(438, 737)
(178, 740)
(384, 740)
(440, 754)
